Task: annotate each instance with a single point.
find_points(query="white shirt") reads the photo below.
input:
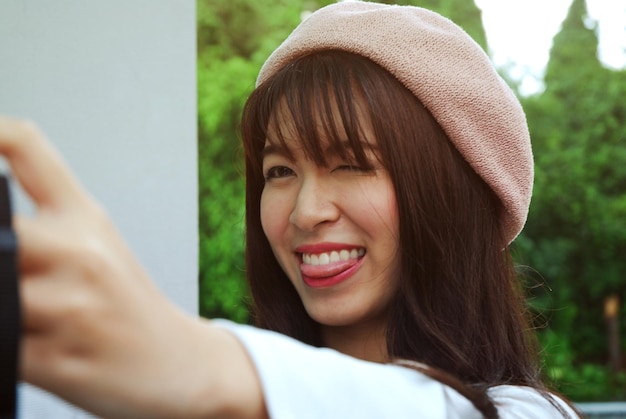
(301, 381)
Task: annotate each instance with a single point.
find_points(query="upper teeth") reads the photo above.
(330, 257)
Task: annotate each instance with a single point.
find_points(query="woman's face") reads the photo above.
(333, 230)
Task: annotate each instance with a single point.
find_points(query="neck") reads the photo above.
(362, 342)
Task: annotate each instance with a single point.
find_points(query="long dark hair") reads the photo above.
(459, 308)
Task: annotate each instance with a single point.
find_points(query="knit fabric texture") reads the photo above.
(448, 72)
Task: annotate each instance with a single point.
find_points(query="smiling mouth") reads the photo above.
(326, 269)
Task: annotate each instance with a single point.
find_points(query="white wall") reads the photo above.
(112, 83)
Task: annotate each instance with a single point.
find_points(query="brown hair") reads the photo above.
(459, 307)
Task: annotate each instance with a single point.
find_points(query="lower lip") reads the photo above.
(332, 280)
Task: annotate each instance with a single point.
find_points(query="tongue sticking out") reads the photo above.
(328, 270)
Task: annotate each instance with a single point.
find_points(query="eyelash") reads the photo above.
(276, 172)
(351, 168)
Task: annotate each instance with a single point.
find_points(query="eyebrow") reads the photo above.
(274, 149)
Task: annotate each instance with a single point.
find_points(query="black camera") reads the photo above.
(10, 323)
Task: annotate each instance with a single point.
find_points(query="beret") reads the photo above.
(448, 72)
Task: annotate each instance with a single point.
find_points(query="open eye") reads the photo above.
(277, 172)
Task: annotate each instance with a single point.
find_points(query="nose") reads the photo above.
(314, 205)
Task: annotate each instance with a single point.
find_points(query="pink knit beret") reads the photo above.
(448, 72)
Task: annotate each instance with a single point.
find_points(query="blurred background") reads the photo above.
(572, 253)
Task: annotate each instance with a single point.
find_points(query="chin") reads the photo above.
(330, 317)
(333, 318)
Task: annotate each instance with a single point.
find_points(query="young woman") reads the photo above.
(388, 168)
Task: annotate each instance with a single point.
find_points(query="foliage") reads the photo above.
(584, 381)
(576, 232)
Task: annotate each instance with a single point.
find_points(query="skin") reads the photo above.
(96, 330)
(306, 208)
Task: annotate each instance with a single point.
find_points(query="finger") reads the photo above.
(44, 363)
(39, 245)
(38, 359)
(33, 356)
(40, 301)
(37, 166)
(43, 280)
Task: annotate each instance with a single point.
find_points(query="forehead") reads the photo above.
(342, 127)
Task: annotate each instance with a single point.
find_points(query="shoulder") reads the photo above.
(303, 381)
(526, 402)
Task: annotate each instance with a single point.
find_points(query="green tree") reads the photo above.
(576, 232)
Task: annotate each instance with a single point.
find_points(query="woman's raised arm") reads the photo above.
(97, 331)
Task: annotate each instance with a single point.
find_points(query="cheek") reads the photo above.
(382, 211)
(274, 217)
(394, 218)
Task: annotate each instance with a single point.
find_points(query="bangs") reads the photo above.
(315, 103)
